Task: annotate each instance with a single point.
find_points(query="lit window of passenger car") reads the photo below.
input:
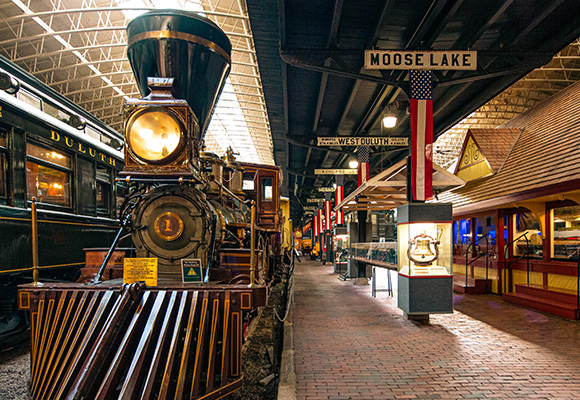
(48, 174)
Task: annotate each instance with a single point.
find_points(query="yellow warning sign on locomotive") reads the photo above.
(191, 270)
(140, 270)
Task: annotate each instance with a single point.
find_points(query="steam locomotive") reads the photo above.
(185, 207)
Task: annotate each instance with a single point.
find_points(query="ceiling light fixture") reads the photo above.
(353, 164)
(389, 119)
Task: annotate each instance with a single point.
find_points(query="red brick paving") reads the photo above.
(348, 345)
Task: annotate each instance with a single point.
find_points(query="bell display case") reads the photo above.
(425, 259)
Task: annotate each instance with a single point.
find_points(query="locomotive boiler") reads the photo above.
(105, 340)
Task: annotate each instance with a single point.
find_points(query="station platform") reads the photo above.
(349, 345)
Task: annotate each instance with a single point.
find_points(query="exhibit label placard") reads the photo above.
(139, 270)
(191, 270)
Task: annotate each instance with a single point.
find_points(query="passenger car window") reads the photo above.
(48, 175)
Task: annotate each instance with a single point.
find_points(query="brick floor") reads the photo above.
(348, 345)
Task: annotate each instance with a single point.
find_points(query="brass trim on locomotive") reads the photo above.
(188, 37)
(168, 217)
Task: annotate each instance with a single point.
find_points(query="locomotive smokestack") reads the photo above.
(185, 46)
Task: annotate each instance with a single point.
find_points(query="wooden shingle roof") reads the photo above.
(545, 157)
(495, 144)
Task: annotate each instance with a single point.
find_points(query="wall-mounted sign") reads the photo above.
(140, 269)
(363, 141)
(387, 59)
(326, 189)
(345, 171)
(310, 208)
(314, 200)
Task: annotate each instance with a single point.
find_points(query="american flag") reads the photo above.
(363, 164)
(338, 198)
(421, 134)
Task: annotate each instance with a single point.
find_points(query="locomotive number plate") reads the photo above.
(169, 226)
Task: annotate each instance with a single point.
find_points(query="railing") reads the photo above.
(508, 262)
(486, 254)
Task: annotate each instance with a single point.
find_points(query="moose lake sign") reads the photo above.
(392, 59)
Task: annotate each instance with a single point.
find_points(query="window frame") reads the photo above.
(99, 180)
(60, 168)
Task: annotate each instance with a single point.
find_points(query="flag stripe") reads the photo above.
(327, 221)
(315, 224)
(338, 198)
(421, 135)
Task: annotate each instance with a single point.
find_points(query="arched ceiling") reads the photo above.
(309, 53)
(78, 47)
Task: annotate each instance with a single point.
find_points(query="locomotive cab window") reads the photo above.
(248, 181)
(48, 175)
(267, 189)
(3, 166)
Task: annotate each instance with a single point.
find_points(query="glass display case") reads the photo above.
(425, 259)
(424, 249)
(384, 252)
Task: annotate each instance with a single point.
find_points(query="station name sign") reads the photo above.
(326, 189)
(314, 200)
(345, 171)
(363, 141)
(431, 60)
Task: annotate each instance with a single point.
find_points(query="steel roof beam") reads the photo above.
(103, 9)
(338, 4)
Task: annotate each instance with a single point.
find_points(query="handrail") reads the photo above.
(475, 242)
(508, 263)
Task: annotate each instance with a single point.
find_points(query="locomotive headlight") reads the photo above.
(155, 135)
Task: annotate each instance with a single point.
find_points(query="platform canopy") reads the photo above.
(388, 189)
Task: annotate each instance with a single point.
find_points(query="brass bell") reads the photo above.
(422, 248)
